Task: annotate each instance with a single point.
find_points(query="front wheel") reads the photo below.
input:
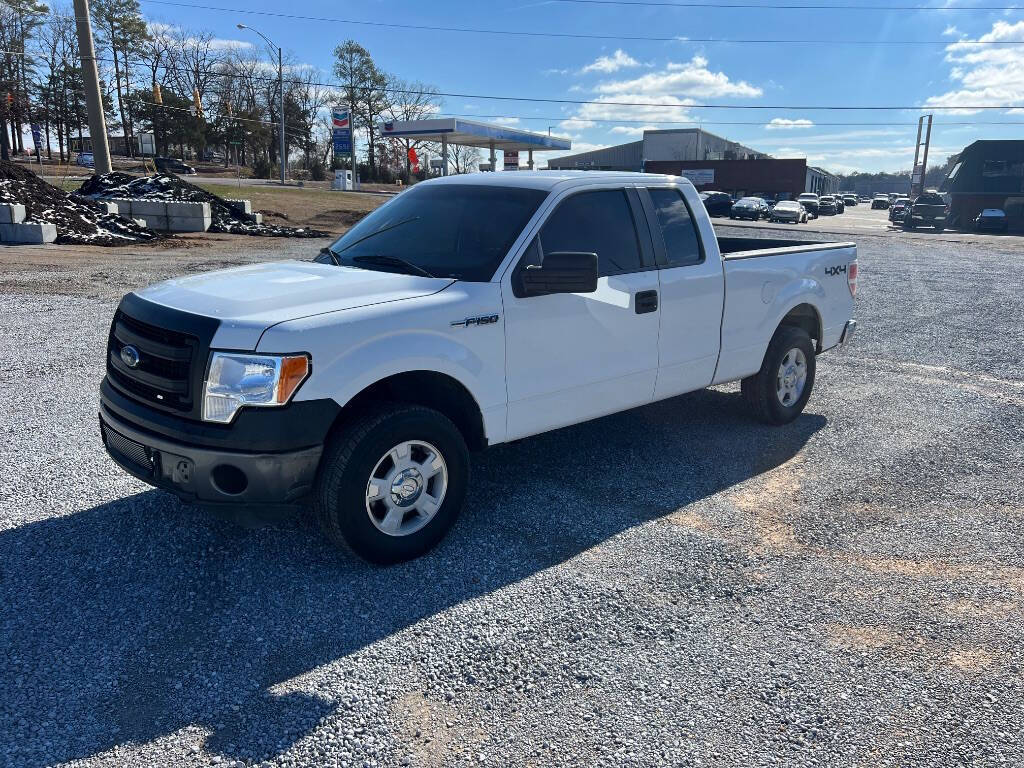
(778, 392)
(392, 484)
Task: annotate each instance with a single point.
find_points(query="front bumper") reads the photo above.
(267, 458)
(208, 475)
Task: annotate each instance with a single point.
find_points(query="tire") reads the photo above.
(761, 391)
(361, 451)
(939, 228)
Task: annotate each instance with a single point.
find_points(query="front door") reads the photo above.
(573, 357)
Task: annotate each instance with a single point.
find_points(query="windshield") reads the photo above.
(461, 231)
(788, 206)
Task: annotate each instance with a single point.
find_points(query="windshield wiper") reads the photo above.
(391, 261)
(326, 251)
(379, 231)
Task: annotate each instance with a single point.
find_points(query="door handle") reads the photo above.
(646, 301)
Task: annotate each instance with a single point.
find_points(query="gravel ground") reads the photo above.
(671, 586)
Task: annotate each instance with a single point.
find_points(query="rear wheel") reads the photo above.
(778, 392)
(391, 485)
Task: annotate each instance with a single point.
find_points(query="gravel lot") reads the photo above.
(671, 586)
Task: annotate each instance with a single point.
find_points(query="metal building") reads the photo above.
(987, 174)
(679, 144)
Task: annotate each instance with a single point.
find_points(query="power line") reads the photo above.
(588, 102)
(786, 7)
(569, 35)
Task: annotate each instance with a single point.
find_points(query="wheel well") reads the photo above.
(805, 316)
(431, 390)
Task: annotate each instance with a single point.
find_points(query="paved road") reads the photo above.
(676, 585)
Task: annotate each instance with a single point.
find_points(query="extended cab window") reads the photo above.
(598, 222)
(443, 230)
(677, 227)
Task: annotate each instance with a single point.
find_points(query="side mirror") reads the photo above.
(565, 272)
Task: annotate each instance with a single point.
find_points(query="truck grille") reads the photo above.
(162, 374)
(134, 453)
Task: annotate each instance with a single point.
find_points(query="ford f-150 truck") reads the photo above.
(466, 312)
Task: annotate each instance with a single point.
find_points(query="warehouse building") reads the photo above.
(709, 161)
(987, 174)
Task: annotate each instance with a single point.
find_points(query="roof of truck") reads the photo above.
(548, 180)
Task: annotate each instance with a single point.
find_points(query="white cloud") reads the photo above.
(688, 80)
(986, 75)
(633, 130)
(951, 31)
(618, 60)
(785, 124)
(506, 120)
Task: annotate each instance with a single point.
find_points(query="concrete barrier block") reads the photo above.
(188, 210)
(147, 208)
(240, 206)
(32, 233)
(257, 218)
(153, 222)
(12, 213)
(188, 223)
(110, 207)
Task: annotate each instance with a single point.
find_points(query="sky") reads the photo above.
(812, 67)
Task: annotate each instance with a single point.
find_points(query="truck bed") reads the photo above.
(753, 247)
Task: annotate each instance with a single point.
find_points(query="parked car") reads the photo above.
(863, 199)
(753, 208)
(928, 210)
(173, 165)
(466, 312)
(898, 210)
(716, 203)
(826, 205)
(789, 211)
(850, 200)
(86, 160)
(811, 202)
(840, 205)
(880, 201)
(991, 220)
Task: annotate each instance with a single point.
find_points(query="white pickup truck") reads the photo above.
(466, 312)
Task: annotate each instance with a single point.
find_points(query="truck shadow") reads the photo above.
(134, 619)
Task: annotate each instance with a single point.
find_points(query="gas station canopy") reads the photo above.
(471, 133)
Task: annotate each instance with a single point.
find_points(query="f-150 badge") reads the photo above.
(471, 321)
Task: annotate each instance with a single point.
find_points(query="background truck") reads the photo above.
(466, 312)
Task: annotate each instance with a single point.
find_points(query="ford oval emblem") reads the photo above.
(130, 356)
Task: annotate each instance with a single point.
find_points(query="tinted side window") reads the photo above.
(595, 222)
(677, 227)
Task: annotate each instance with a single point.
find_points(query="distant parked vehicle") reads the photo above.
(827, 206)
(753, 208)
(850, 199)
(864, 199)
(789, 211)
(86, 159)
(716, 203)
(991, 220)
(898, 210)
(811, 202)
(928, 210)
(173, 165)
(840, 205)
(880, 201)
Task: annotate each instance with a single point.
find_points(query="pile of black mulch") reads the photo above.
(171, 188)
(78, 220)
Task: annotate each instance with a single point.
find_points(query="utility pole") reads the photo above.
(917, 175)
(93, 99)
(280, 85)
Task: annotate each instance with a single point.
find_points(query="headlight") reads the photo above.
(237, 379)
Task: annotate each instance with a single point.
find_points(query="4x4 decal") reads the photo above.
(833, 271)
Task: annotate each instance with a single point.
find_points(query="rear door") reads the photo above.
(692, 292)
(573, 357)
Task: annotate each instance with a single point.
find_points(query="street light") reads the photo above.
(280, 85)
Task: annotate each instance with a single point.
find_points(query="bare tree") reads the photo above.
(464, 159)
(410, 100)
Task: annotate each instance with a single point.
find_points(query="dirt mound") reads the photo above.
(171, 188)
(78, 219)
